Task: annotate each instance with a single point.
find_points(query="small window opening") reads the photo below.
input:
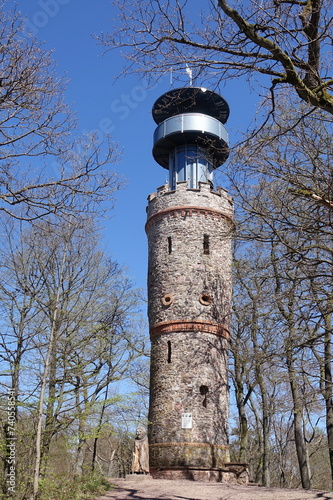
(206, 244)
(204, 392)
(169, 351)
(169, 244)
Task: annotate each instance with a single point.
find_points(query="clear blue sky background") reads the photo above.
(123, 106)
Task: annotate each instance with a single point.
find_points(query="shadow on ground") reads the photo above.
(160, 489)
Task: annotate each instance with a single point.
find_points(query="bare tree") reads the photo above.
(272, 336)
(295, 150)
(283, 42)
(43, 160)
(300, 271)
(285, 190)
(254, 351)
(71, 318)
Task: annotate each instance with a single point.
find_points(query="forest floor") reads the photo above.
(161, 489)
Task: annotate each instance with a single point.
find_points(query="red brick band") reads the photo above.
(192, 445)
(190, 210)
(189, 326)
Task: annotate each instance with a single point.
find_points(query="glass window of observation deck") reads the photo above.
(190, 163)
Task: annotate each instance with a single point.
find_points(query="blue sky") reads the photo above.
(122, 106)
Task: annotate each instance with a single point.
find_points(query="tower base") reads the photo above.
(186, 454)
(234, 473)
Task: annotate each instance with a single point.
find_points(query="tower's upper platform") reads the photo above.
(190, 139)
(190, 100)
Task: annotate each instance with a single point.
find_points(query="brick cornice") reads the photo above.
(189, 326)
(189, 210)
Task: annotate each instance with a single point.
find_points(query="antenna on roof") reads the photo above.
(189, 72)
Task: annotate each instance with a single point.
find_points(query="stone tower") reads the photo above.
(189, 228)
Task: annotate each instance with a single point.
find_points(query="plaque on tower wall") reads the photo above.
(186, 420)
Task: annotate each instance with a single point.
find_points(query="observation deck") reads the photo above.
(190, 139)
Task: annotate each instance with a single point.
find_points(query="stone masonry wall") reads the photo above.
(182, 365)
(189, 296)
(185, 273)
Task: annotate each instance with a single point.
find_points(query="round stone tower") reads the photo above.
(189, 228)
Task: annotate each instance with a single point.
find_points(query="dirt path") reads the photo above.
(159, 489)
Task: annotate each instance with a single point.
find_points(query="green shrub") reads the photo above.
(79, 488)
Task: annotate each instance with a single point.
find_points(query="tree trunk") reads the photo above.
(241, 402)
(302, 455)
(100, 422)
(110, 469)
(328, 388)
(49, 414)
(258, 360)
(325, 366)
(10, 427)
(265, 430)
(258, 429)
(39, 432)
(82, 430)
(48, 360)
(243, 431)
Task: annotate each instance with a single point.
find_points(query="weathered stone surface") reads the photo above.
(186, 273)
(204, 197)
(197, 360)
(189, 296)
(229, 473)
